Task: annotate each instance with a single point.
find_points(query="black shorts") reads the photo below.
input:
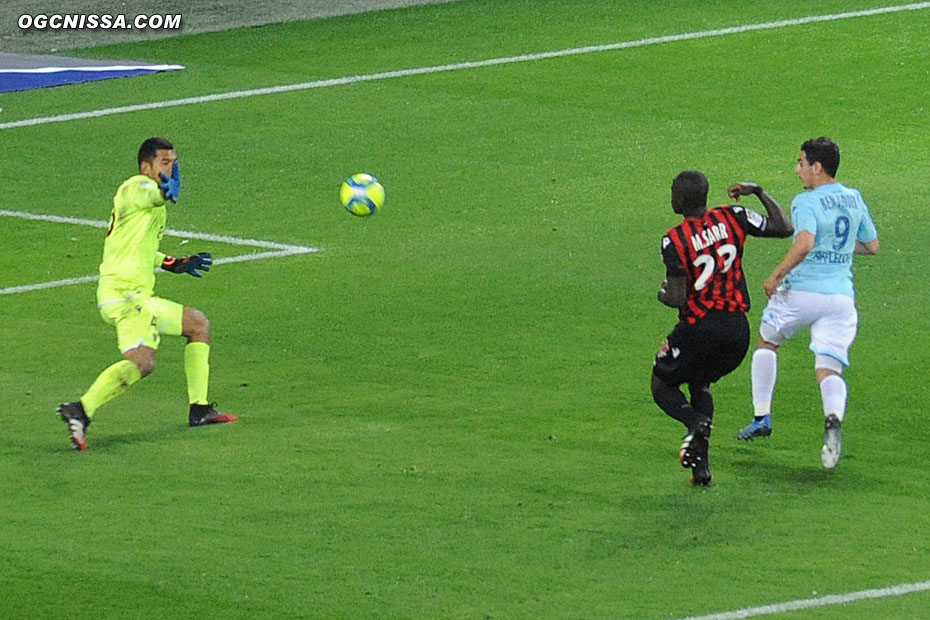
(705, 351)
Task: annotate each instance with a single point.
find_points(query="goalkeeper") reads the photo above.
(126, 298)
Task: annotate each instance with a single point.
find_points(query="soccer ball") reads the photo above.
(361, 194)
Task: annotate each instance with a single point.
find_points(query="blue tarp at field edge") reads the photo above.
(23, 72)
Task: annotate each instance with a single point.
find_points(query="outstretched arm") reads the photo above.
(779, 223)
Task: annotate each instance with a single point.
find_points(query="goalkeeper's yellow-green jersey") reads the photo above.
(130, 252)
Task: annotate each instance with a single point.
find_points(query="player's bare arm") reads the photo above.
(674, 292)
(779, 223)
(803, 244)
(868, 247)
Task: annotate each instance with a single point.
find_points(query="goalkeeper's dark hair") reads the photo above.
(825, 151)
(150, 148)
(689, 192)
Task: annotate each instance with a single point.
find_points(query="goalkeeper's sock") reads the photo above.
(109, 384)
(197, 369)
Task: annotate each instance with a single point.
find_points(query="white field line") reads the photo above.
(276, 250)
(26, 288)
(187, 234)
(355, 79)
(811, 603)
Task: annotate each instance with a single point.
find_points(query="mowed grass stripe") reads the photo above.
(387, 75)
(451, 418)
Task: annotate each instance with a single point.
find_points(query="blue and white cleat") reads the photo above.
(760, 427)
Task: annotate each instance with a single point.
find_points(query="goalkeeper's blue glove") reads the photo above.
(192, 264)
(171, 186)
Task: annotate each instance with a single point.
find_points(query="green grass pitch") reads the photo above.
(445, 412)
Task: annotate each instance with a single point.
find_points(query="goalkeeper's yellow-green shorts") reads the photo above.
(139, 318)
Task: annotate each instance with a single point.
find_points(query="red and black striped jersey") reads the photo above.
(708, 252)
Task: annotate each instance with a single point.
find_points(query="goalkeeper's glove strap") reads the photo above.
(172, 264)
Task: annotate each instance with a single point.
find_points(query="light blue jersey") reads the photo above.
(836, 215)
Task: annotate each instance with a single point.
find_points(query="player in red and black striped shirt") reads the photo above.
(703, 259)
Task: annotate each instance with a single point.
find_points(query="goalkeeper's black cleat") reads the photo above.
(693, 452)
(73, 415)
(201, 415)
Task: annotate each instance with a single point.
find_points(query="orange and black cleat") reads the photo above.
(202, 415)
(73, 415)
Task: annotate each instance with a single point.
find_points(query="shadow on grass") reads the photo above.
(158, 433)
(803, 473)
(154, 435)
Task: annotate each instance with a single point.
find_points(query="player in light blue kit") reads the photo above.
(813, 287)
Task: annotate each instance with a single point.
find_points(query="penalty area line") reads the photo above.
(171, 232)
(822, 601)
(241, 258)
(355, 79)
(274, 249)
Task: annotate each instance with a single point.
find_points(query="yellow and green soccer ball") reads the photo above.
(361, 194)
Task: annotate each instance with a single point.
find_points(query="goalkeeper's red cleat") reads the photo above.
(201, 415)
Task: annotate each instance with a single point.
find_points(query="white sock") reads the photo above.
(764, 372)
(833, 394)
